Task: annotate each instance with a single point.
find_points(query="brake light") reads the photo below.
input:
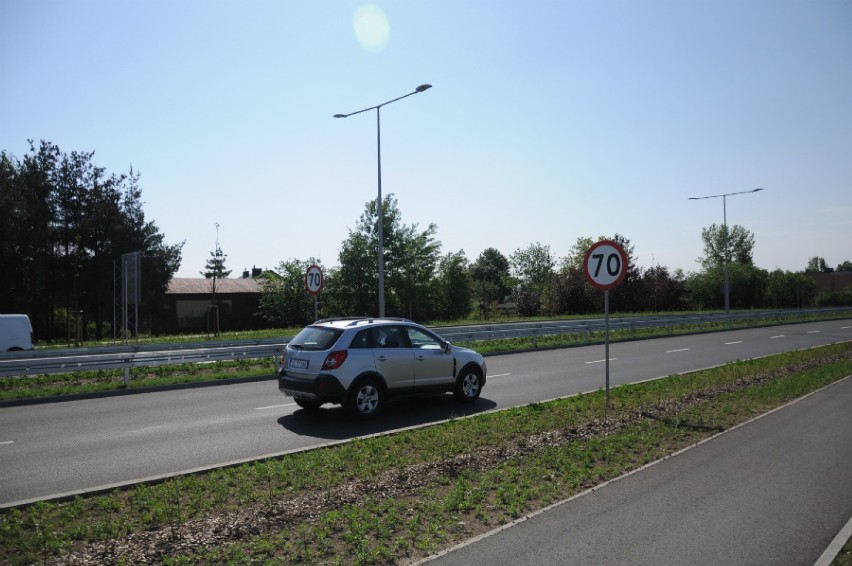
(335, 359)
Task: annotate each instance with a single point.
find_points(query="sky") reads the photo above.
(547, 121)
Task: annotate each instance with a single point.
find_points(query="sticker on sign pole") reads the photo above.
(314, 279)
(605, 265)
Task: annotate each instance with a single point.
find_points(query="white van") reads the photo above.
(16, 332)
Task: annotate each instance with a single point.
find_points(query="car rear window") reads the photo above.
(315, 338)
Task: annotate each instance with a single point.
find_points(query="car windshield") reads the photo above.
(315, 338)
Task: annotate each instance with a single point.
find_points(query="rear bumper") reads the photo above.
(324, 387)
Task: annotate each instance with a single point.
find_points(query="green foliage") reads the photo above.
(63, 222)
(284, 300)
(410, 258)
(734, 243)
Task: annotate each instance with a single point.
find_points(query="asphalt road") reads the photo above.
(774, 491)
(68, 447)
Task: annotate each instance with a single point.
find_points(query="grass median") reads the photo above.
(399, 497)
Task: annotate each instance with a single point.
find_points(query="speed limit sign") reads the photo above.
(313, 279)
(605, 265)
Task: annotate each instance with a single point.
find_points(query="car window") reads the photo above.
(315, 338)
(364, 339)
(423, 340)
(389, 337)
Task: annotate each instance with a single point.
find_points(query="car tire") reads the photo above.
(365, 399)
(468, 385)
(308, 404)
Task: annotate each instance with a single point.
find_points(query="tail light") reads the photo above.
(335, 359)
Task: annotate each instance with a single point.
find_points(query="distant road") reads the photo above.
(773, 492)
(72, 446)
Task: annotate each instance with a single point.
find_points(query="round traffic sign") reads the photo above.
(605, 264)
(314, 279)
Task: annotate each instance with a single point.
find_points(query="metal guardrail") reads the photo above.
(39, 362)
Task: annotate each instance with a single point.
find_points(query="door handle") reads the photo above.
(381, 358)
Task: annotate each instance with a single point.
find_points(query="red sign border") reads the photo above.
(322, 280)
(620, 251)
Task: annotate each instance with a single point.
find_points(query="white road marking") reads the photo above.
(146, 429)
(730, 343)
(778, 336)
(814, 331)
(7, 442)
(498, 375)
(845, 327)
(274, 407)
(600, 361)
(676, 351)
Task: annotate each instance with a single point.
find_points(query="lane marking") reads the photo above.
(731, 343)
(678, 350)
(814, 331)
(498, 375)
(778, 336)
(146, 429)
(600, 361)
(845, 327)
(6, 442)
(274, 407)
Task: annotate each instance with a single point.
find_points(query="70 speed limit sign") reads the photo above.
(605, 265)
(314, 280)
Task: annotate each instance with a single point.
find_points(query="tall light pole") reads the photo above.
(379, 208)
(725, 234)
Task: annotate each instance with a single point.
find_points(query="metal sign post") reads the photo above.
(605, 265)
(313, 283)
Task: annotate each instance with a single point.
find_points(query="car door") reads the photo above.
(433, 365)
(393, 357)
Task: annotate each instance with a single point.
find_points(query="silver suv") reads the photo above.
(360, 362)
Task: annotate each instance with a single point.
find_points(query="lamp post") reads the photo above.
(725, 221)
(379, 208)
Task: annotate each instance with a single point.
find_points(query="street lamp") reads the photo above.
(379, 210)
(725, 220)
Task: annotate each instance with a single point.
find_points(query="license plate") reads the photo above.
(299, 364)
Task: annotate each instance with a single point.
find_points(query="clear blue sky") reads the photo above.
(548, 120)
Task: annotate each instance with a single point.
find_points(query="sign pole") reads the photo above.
(606, 341)
(313, 283)
(605, 265)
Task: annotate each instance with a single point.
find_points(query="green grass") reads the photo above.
(405, 495)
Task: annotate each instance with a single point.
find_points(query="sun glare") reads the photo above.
(371, 28)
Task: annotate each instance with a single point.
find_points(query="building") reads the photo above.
(190, 304)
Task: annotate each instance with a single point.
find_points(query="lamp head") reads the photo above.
(340, 115)
(421, 88)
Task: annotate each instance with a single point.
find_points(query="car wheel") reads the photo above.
(468, 386)
(366, 399)
(308, 404)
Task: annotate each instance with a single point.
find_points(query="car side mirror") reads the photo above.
(448, 347)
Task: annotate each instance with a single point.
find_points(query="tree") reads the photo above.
(845, 266)
(215, 270)
(490, 279)
(533, 268)
(453, 286)
(63, 223)
(663, 291)
(284, 300)
(785, 289)
(740, 245)
(817, 265)
(410, 257)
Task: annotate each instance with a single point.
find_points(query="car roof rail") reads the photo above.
(356, 319)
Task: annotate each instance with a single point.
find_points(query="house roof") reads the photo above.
(203, 286)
